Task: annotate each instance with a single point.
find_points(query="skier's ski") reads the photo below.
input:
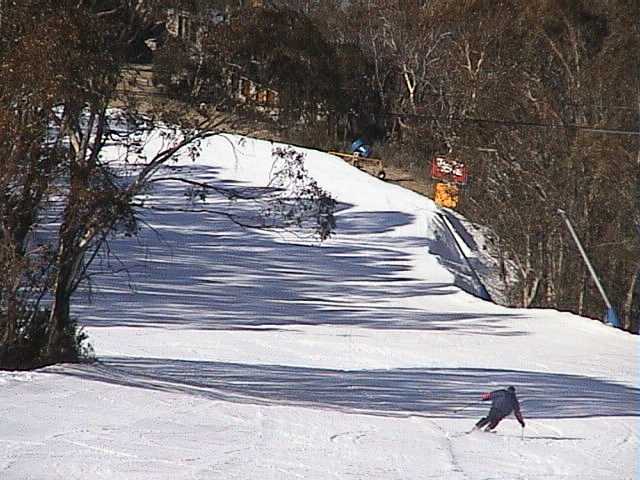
(462, 434)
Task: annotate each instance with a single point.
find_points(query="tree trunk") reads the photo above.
(59, 317)
(11, 324)
(531, 290)
(70, 254)
(581, 292)
(9, 338)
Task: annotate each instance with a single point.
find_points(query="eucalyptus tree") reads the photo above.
(61, 69)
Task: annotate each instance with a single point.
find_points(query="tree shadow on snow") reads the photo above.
(430, 392)
(199, 270)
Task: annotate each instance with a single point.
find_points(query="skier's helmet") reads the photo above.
(512, 389)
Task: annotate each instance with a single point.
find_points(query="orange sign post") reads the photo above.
(447, 195)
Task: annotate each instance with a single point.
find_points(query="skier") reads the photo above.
(503, 402)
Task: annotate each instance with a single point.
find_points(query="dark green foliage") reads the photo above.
(29, 351)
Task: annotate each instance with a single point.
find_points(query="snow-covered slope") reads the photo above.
(233, 354)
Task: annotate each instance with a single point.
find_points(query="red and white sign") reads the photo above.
(443, 168)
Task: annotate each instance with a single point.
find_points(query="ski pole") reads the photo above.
(467, 406)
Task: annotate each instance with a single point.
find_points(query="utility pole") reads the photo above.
(611, 316)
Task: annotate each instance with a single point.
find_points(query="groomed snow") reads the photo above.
(238, 354)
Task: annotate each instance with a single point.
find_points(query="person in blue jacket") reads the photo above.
(503, 403)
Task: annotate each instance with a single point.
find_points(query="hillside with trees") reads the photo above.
(541, 100)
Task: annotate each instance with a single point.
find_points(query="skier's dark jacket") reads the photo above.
(503, 402)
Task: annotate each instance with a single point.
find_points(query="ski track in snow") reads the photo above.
(246, 355)
(456, 468)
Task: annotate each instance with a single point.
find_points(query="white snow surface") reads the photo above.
(226, 353)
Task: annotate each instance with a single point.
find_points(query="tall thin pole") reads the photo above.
(611, 314)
